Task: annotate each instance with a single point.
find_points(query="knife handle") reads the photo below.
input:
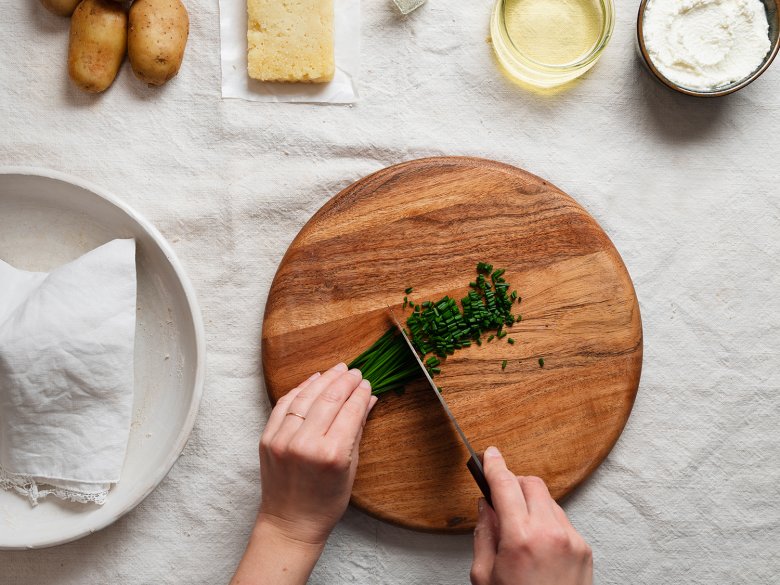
(479, 477)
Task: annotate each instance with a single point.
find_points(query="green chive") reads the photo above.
(438, 329)
(541, 362)
(503, 365)
(510, 341)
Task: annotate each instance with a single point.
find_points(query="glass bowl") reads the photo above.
(532, 69)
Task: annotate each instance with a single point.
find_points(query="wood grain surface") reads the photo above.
(426, 224)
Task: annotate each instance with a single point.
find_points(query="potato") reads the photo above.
(61, 7)
(98, 42)
(156, 39)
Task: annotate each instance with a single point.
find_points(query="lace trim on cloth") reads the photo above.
(26, 485)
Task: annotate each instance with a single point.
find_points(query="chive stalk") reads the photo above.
(440, 328)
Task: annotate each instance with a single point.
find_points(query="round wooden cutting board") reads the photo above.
(425, 224)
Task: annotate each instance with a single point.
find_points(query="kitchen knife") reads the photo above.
(474, 464)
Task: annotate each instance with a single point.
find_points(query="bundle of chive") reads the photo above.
(440, 328)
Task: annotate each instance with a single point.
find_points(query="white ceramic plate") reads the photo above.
(47, 219)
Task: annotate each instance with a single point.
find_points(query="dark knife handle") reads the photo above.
(479, 477)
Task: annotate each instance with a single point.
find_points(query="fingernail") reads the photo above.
(492, 452)
(342, 367)
(314, 376)
(372, 402)
(355, 372)
(480, 505)
(365, 384)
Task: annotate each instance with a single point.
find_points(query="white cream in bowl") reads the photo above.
(706, 44)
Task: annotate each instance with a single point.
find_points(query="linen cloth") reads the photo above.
(687, 189)
(66, 374)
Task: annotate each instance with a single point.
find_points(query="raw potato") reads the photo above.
(61, 7)
(156, 39)
(98, 41)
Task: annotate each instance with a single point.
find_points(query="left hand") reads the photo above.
(308, 459)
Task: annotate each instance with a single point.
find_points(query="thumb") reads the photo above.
(485, 544)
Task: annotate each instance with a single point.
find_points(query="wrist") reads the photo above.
(297, 535)
(274, 556)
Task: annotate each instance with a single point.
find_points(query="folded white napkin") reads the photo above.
(66, 374)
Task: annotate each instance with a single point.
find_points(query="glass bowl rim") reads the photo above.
(608, 26)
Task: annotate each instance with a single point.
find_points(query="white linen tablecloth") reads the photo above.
(686, 188)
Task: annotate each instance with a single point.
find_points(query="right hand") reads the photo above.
(527, 539)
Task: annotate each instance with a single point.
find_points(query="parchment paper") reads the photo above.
(236, 83)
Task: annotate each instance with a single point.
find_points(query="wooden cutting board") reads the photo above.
(425, 224)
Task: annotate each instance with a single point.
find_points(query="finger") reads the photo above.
(508, 500)
(330, 402)
(283, 405)
(537, 498)
(348, 423)
(371, 403)
(356, 447)
(303, 401)
(485, 544)
(562, 518)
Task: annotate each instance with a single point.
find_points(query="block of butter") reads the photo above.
(290, 40)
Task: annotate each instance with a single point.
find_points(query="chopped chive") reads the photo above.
(541, 362)
(438, 329)
(503, 365)
(510, 341)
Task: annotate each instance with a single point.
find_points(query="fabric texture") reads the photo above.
(687, 189)
(66, 374)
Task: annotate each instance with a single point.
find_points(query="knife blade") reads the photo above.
(474, 464)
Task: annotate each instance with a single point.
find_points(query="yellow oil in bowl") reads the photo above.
(550, 42)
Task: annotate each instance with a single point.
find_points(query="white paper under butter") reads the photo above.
(66, 374)
(236, 83)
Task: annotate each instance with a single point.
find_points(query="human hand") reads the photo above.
(307, 465)
(527, 539)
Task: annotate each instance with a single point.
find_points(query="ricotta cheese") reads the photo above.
(706, 44)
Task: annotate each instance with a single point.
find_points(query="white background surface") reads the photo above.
(687, 189)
